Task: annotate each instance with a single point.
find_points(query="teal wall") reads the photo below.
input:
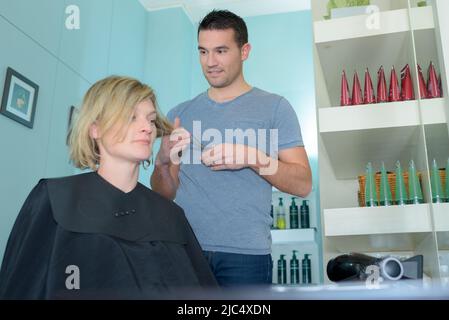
(167, 62)
(64, 63)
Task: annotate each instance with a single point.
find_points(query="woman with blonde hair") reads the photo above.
(102, 234)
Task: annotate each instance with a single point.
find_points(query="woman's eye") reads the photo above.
(133, 118)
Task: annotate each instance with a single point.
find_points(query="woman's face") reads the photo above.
(137, 144)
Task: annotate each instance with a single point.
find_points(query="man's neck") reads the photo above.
(228, 93)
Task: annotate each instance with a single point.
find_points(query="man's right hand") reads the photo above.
(173, 145)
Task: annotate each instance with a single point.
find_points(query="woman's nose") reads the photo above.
(147, 127)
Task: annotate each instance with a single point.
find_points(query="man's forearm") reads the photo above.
(163, 182)
(292, 178)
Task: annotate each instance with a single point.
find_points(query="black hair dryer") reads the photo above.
(353, 267)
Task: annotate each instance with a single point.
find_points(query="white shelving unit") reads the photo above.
(441, 214)
(359, 27)
(356, 135)
(350, 137)
(377, 220)
(350, 43)
(293, 236)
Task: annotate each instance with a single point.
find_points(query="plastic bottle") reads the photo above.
(385, 190)
(306, 270)
(294, 269)
(414, 186)
(294, 215)
(305, 221)
(282, 270)
(401, 191)
(280, 219)
(437, 189)
(370, 188)
(447, 182)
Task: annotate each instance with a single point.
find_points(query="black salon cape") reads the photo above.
(135, 245)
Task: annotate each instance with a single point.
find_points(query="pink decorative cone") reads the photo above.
(368, 97)
(381, 86)
(433, 88)
(422, 84)
(407, 92)
(345, 99)
(394, 87)
(356, 91)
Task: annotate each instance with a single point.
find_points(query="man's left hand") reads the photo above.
(228, 156)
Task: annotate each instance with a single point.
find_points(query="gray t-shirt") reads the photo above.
(229, 211)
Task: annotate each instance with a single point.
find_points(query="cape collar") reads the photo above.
(87, 203)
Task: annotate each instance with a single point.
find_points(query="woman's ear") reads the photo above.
(94, 131)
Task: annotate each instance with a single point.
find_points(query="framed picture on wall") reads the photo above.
(19, 98)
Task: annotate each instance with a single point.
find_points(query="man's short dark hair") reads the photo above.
(224, 19)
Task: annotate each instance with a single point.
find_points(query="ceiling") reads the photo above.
(197, 9)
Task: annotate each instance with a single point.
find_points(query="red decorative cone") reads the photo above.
(441, 86)
(433, 88)
(381, 86)
(422, 84)
(394, 87)
(356, 91)
(368, 97)
(407, 92)
(345, 99)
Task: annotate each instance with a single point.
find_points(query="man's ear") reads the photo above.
(94, 131)
(246, 48)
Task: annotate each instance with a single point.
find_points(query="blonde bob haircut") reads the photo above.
(109, 101)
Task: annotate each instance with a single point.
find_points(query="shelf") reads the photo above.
(378, 220)
(290, 236)
(396, 242)
(380, 132)
(383, 115)
(389, 22)
(347, 44)
(441, 215)
(433, 111)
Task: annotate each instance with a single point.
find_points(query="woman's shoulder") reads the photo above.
(67, 180)
(45, 185)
